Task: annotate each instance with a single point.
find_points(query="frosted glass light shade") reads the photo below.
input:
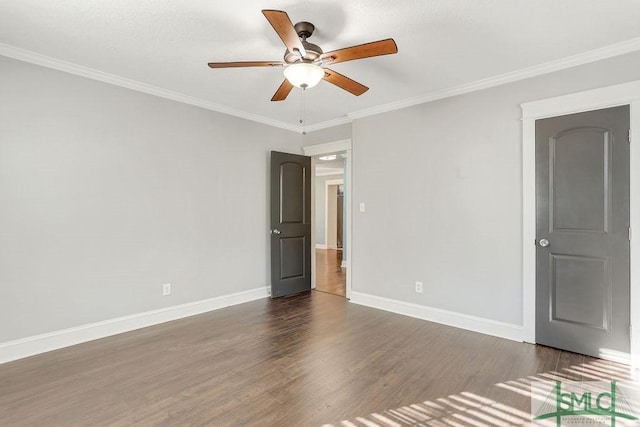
(303, 74)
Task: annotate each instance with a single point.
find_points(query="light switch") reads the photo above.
(361, 207)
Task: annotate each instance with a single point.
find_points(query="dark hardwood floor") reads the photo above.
(330, 276)
(310, 360)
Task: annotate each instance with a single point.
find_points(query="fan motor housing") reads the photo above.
(304, 29)
(313, 53)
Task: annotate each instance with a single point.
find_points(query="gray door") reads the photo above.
(582, 208)
(290, 224)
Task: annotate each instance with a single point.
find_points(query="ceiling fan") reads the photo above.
(305, 61)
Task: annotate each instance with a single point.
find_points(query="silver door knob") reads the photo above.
(543, 242)
(275, 231)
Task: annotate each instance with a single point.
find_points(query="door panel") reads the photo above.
(292, 263)
(579, 184)
(579, 290)
(290, 224)
(292, 180)
(582, 210)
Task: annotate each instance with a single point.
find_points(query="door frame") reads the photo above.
(327, 183)
(610, 96)
(343, 145)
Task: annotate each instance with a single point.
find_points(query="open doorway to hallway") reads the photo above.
(330, 214)
(330, 275)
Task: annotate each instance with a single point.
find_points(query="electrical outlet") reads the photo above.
(166, 289)
(419, 287)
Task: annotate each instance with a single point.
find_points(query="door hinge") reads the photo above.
(629, 135)
(629, 233)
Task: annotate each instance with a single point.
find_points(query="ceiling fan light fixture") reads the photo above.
(304, 74)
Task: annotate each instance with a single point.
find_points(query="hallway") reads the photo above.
(330, 276)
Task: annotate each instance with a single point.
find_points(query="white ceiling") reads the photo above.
(444, 45)
(330, 167)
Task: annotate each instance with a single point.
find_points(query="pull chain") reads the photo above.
(303, 121)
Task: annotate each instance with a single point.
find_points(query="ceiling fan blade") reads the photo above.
(367, 50)
(246, 64)
(283, 91)
(282, 25)
(344, 82)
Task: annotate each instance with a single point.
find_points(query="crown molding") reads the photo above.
(79, 70)
(595, 55)
(328, 124)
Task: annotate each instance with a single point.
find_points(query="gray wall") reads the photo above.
(333, 134)
(452, 215)
(108, 193)
(320, 196)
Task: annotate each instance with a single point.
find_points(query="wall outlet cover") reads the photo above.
(419, 287)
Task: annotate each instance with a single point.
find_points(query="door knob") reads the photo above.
(543, 242)
(275, 231)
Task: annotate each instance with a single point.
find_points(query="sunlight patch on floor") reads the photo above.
(468, 409)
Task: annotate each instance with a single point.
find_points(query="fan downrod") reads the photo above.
(304, 29)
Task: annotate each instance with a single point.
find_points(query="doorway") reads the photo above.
(610, 96)
(330, 212)
(290, 214)
(331, 265)
(582, 204)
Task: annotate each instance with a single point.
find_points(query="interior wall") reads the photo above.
(108, 193)
(320, 206)
(332, 217)
(332, 134)
(452, 215)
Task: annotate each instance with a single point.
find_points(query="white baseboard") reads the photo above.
(321, 246)
(437, 315)
(29, 346)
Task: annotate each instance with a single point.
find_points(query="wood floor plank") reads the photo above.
(330, 275)
(313, 359)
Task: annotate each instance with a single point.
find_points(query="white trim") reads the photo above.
(348, 242)
(444, 317)
(90, 73)
(594, 99)
(343, 264)
(525, 73)
(595, 55)
(320, 246)
(329, 173)
(621, 94)
(328, 124)
(329, 148)
(25, 347)
(528, 230)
